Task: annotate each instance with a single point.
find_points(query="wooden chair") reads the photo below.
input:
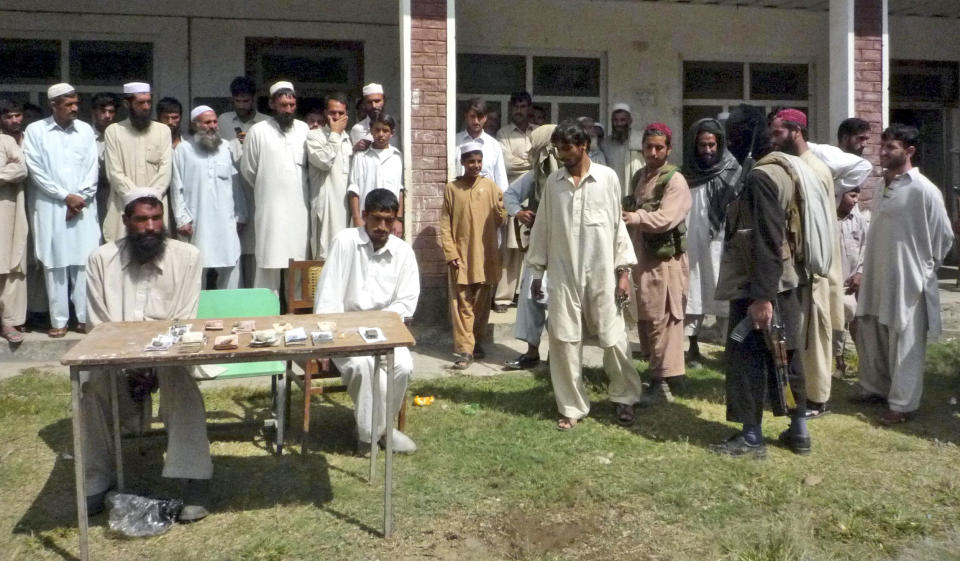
(302, 277)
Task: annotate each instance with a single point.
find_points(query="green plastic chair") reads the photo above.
(241, 303)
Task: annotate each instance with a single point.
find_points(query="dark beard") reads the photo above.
(373, 114)
(708, 161)
(208, 141)
(284, 120)
(140, 122)
(148, 246)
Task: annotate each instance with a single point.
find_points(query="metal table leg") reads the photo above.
(374, 420)
(281, 410)
(77, 418)
(115, 406)
(388, 470)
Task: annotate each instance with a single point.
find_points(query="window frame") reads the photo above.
(552, 102)
(809, 104)
(36, 92)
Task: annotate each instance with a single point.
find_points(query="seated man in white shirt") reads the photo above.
(367, 268)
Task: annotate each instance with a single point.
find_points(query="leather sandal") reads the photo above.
(11, 334)
(462, 362)
(57, 332)
(891, 417)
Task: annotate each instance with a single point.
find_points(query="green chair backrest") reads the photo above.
(238, 303)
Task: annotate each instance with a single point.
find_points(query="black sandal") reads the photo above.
(462, 363)
(626, 416)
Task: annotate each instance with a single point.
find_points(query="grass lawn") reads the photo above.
(494, 480)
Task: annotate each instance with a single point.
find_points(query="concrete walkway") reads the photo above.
(433, 354)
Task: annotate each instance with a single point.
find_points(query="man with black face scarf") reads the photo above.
(146, 276)
(713, 175)
(138, 152)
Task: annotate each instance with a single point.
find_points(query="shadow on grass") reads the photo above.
(240, 483)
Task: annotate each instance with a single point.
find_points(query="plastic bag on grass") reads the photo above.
(138, 517)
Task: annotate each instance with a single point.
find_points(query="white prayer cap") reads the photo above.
(620, 107)
(468, 147)
(57, 90)
(131, 88)
(372, 88)
(139, 193)
(599, 125)
(199, 110)
(282, 85)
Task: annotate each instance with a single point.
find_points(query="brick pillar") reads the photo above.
(868, 81)
(428, 74)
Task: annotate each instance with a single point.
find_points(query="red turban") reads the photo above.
(794, 116)
(658, 129)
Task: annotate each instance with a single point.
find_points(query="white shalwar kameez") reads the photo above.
(531, 315)
(207, 193)
(376, 169)
(580, 240)
(62, 162)
(328, 155)
(274, 163)
(704, 253)
(358, 278)
(899, 301)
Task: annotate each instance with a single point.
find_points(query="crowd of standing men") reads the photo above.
(758, 227)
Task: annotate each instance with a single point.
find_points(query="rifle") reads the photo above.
(776, 343)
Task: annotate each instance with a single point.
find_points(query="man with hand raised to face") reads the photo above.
(328, 154)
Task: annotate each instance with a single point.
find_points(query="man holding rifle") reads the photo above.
(761, 275)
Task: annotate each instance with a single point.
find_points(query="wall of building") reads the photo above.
(645, 43)
(199, 44)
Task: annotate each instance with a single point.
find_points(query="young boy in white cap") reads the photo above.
(472, 214)
(378, 167)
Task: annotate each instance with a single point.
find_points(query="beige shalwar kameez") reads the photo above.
(120, 289)
(661, 285)
(825, 318)
(579, 240)
(135, 159)
(472, 213)
(13, 233)
(516, 144)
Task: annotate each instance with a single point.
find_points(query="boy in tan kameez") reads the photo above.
(472, 213)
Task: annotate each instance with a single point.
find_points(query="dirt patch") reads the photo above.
(532, 535)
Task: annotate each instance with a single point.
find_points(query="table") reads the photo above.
(115, 345)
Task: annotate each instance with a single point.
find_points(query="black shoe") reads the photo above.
(500, 308)
(95, 503)
(737, 446)
(522, 362)
(196, 498)
(799, 445)
(478, 352)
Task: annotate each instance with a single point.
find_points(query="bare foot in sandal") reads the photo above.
(462, 363)
(566, 423)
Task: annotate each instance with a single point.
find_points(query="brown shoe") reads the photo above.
(57, 332)
(81, 328)
(891, 417)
